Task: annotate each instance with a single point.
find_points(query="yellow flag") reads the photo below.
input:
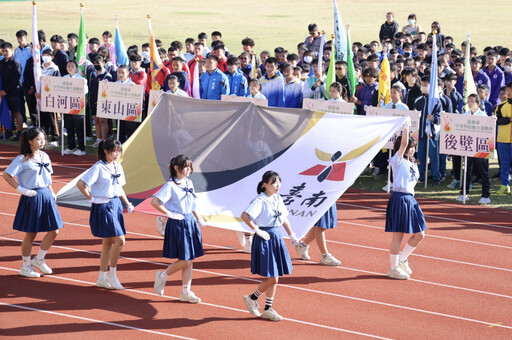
(155, 61)
(384, 83)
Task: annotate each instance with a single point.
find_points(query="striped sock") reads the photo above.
(255, 295)
(268, 303)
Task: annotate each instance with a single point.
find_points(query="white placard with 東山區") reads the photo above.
(120, 101)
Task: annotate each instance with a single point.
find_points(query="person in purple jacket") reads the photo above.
(368, 94)
(459, 71)
(508, 70)
(496, 77)
(479, 76)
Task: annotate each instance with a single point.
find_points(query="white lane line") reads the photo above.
(176, 298)
(430, 235)
(93, 320)
(431, 216)
(425, 256)
(311, 290)
(58, 165)
(336, 242)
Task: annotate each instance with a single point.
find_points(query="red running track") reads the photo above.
(460, 287)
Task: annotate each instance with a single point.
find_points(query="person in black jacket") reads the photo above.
(29, 90)
(389, 28)
(10, 71)
(60, 58)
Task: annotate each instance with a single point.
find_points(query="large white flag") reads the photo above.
(36, 51)
(340, 37)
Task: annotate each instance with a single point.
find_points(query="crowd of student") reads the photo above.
(283, 78)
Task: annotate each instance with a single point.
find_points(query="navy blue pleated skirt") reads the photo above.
(38, 213)
(404, 215)
(329, 220)
(107, 219)
(270, 258)
(183, 239)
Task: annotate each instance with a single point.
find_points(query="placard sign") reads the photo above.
(120, 101)
(63, 95)
(256, 101)
(415, 121)
(328, 106)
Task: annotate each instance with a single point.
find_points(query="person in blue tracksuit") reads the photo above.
(238, 84)
(272, 85)
(213, 83)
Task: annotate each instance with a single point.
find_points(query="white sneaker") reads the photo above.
(405, 267)
(65, 132)
(103, 284)
(28, 271)
(159, 284)
(385, 188)
(271, 315)
(302, 249)
(67, 152)
(95, 144)
(79, 152)
(42, 266)
(160, 225)
(376, 172)
(484, 200)
(190, 298)
(330, 260)
(252, 305)
(461, 198)
(397, 273)
(114, 282)
(248, 244)
(54, 144)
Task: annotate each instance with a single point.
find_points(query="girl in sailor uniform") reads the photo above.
(182, 241)
(269, 256)
(403, 214)
(103, 184)
(37, 211)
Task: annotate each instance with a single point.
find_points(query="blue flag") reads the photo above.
(5, 116)
(121, 55)
(433, 94)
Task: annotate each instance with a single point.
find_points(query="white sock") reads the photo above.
(406, 252)
(103, 276)
(394, 260)
(26, 261)
(41, 254)
(112, 271)
(186, 289)
(164, 275)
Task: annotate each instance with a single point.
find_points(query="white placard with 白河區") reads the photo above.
(467, 135)
(63, 95)
(415, 121)
(120, 101)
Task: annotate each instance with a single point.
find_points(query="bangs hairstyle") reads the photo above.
(26, 137)
(268, 177)
(181, 161)
(411, 144)
(108, 145)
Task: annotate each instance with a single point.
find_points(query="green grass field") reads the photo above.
(269, 23)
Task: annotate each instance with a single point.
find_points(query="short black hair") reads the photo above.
(95, 41)
(233, 60)
(248, 42)
(271, 60)
(177, 44)
(189, 40)
(312, 27)
(72, 36)
(178, 58)
(21, 33)
(107, 33)
(202, 35)
(216, 33)
(41, 35)
(135, 57)
(57, 38)
(213, 57)
(172, 49)
(7, 44)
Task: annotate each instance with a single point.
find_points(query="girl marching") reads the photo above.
(37, 211)
(403, 214)
(182, 240)
(103, 184)
(269, 256)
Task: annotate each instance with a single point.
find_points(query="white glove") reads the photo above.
(262, 233)
(201, 222)
(175, 216)
(26, 192)
(54, 196)
(130, 208)
(294, 239)
(160, 225)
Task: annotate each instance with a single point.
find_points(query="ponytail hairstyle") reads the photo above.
(411, 144)
(108, 145)
(269, 177)
(26, 137)
(181, 161)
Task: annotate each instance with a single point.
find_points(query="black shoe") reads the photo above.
(435, 182)
(17, 137)
(497, 175)
(8, 134)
